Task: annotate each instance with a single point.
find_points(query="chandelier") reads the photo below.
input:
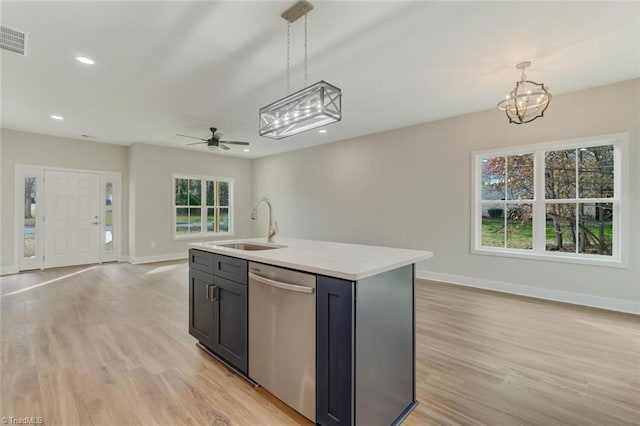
(314, 106)
(527, 101)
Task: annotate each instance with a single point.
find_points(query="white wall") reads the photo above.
(151, 197)
(147, 188)
(410, 188)
(50, 151)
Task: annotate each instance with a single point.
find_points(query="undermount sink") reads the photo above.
(250, 246)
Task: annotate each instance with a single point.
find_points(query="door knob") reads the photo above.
(96, 223)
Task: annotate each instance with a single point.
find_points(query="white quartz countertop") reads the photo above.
(347, 261)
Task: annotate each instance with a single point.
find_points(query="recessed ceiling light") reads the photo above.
(246, 150)
(57, 117)
(323, 131)
(85, 60)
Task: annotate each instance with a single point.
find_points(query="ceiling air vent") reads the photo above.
(13, 40)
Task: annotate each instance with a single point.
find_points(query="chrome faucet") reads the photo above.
(273, 226)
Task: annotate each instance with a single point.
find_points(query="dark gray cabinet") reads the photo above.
(334, 366)
(218, 305)
(230, 322)
(365, 336)
(201, 261)
(230, 268)
(201, 307)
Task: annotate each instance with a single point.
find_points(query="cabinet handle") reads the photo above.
(211, 293)
(214, 293)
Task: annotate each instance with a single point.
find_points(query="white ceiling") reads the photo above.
(180, 67)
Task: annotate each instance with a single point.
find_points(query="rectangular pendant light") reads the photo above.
(312, 107)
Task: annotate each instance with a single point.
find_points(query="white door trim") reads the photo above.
(29, 169)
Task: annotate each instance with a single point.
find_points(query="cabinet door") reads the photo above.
(334, 337)
(201, 317)
(230, 322)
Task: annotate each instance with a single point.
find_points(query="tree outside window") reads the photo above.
(507, 195)
(202, 206)
(579, 189)
(549, 201)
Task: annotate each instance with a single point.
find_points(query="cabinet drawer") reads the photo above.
(201, 260)
(230, 268)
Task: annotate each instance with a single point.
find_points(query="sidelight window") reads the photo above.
(108, 217)
(30, 227)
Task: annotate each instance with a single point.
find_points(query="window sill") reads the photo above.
(591, 260)
(212, 235)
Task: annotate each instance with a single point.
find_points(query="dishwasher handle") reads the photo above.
(283, 286)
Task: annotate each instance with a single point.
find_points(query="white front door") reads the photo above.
(72, 218)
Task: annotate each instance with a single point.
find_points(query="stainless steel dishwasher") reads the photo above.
(282, 335)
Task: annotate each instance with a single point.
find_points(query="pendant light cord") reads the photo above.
(288, 56)
(305, 50)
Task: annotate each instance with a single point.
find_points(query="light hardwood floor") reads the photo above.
(109, 345)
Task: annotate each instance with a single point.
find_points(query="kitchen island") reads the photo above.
(338, 318)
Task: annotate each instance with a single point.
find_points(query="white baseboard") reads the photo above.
(7, 270)
(612, 304)
(157, 258)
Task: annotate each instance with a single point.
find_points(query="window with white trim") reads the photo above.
(558, 201)
(202, 206)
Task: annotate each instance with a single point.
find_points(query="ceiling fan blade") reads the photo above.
(197, 143)
(223, 146)
(192, 137)
(235, 142)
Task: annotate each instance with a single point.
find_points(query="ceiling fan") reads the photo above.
(214, 141)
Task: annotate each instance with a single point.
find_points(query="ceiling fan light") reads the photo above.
(298, 113)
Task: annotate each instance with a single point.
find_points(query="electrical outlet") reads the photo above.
(153, 244)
